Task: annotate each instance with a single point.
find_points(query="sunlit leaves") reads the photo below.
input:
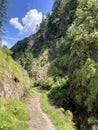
(87, 78)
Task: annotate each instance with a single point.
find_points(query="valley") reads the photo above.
(61, 61)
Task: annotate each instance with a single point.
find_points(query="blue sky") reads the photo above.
(24, 15)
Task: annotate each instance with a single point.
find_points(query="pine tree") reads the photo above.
(3, 16)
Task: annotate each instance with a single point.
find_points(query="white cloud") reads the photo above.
(32, 19)
(16, 24)
(4, 43)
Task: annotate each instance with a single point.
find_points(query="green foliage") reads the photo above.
(18, 109)
(3, 16)
(83, 67)
(64, 60)
(92, 120)
(87, 71)
(69, 115)
(13, 69)
(32, 81)
(7, 51)
(13, 113)
(45, 83)
(7, 121)
(21, 47)
(26, 61)
(86, 81)
(62, 16)
(54, 71)
(59, 91)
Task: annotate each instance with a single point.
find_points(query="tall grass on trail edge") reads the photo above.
(34, 90)
(60, 121)
(13, 114)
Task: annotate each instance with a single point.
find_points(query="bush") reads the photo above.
(92, 120)
(85, 85)
(45, 83)
(59, 91)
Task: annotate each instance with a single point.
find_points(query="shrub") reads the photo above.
(92, 120)
(59, 92)
(44, 83)
(85, 85)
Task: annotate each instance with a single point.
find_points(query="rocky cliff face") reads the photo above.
(14, 80)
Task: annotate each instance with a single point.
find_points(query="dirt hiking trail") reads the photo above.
(38, 119)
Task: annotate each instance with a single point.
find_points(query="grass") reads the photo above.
(37, 89)
(60, 120)
(33, 90)
(13, 114)
(9, 69)
(18, 109)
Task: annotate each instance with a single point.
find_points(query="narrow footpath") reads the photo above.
(38, 119)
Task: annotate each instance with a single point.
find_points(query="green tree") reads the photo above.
(62, 15)
(83, 66)
(3, 16)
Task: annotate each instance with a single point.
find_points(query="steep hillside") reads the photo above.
(42, 54)
(14, 80)
(63, 57)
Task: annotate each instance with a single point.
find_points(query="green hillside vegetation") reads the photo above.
(3, 15)
(14, 83)
(62, 57)
(12, 68)
(13, 114)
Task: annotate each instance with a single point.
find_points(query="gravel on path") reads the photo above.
(38, 119)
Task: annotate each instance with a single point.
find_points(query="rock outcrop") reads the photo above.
(14, 80)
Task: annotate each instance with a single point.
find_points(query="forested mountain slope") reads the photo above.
(63, 57)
